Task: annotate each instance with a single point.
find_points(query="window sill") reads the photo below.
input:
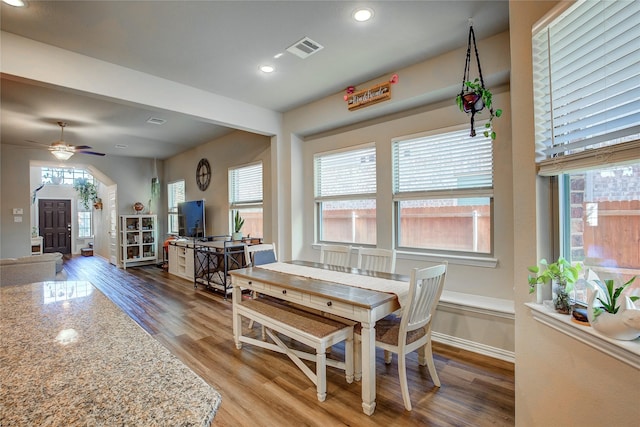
(625, 351)
(452, 259)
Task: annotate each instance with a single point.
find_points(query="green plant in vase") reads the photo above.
(562, 274)
(238, 222)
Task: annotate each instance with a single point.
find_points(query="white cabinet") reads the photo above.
(181, 260)
(138, 239)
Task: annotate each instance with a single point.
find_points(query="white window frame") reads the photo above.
(253, 175)
(432, 190)
(342, 192)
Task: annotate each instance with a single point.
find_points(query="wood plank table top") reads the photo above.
(69, 356)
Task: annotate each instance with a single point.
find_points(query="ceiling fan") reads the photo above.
(63, 151)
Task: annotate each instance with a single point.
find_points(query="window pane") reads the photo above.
(587, 77)
(175, 195)
(84, 224)
(603, 224)
(345, 173)
(245, 184)
(446, 161)
(253, 224)
(348, 221)
(462, 224)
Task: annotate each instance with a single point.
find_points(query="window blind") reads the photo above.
(245, 184)
(586, 68)
(175, 196)
(345, 173)
(447, 161)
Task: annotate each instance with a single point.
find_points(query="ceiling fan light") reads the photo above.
(62, 154)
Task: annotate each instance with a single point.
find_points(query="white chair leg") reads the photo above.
(404, 386)
(387, 357)
(425, 357)
(357, 357)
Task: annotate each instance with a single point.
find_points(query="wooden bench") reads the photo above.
(302, 326)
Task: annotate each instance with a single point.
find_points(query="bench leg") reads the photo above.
(321, 373)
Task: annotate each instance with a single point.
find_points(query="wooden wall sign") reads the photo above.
(364, 98)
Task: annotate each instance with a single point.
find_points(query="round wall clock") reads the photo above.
(203, 174)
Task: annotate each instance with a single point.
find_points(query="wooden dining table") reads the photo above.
(335, 295)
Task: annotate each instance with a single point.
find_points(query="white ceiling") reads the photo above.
(217, 46)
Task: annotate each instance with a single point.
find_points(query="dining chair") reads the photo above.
(375, 259)
(263, 253)
(410, 332)
(335, 255)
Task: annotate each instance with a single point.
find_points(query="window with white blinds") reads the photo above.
(442, 162)
(443, 192)
(245, 185)
(345, 173)
(246, 198)
(586, 65)
(345, 194)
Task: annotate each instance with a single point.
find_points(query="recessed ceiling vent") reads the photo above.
(304, 48)
(156, 121)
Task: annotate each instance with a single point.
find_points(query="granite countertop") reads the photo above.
(69, 356)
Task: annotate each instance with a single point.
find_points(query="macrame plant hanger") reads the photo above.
(472, 102)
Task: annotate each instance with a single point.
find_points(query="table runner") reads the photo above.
(399, 288)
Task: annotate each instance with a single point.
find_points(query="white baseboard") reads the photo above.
(475, 347)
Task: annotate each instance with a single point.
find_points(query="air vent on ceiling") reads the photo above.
(156, 121)
(304, 48)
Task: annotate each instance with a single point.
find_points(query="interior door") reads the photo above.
(55, 225)
(113, 223)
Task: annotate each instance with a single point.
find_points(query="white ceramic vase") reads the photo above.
(624, 325)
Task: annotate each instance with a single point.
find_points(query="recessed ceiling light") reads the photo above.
(16, 3)
(267, 69)
(362, 15)
(121, 146)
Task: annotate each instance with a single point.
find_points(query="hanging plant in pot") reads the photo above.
(474, 96)
(87, 191)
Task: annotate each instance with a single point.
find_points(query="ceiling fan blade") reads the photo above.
(30, 141)
(94, 153)
(80, 147)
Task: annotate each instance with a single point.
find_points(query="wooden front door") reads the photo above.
(55, 225)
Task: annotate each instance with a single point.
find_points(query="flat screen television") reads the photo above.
(191, 219)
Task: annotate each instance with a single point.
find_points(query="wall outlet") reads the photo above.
(17, 219)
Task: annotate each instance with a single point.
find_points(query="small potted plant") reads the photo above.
(562, 274)
(473, 100)
(616, 316)
(87, 191)
(238, 222)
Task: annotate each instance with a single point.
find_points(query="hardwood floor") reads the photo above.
(263, 388)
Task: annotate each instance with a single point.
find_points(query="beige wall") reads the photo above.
(236, 149)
